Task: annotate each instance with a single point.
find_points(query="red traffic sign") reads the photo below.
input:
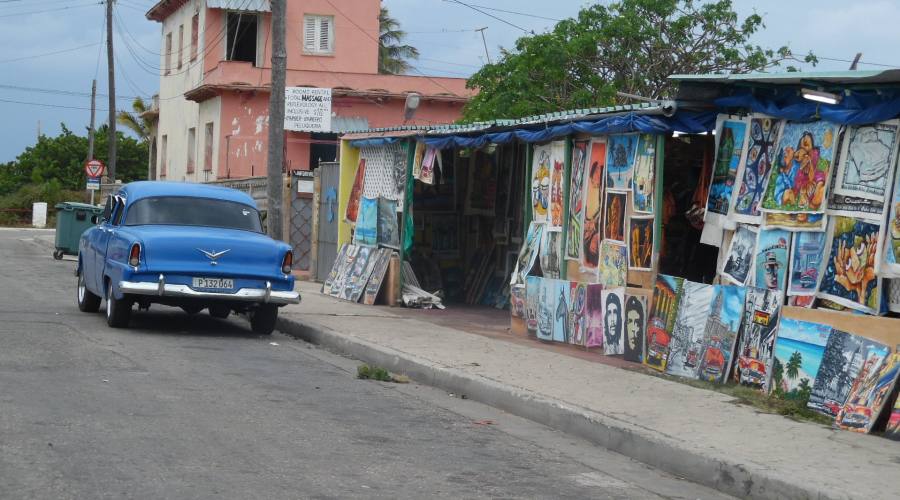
(94, 168)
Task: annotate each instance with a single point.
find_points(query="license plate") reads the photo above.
(218, 283)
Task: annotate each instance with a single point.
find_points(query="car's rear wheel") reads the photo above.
(218, 311)
(87, 301)
(262, 320)
(191, 309)
(118, 311)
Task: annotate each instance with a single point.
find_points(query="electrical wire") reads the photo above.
(46, 105)
(525, 14)
(476, 9)
(14, 14)
(63, 51)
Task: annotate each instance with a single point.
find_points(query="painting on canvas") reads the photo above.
(799, 179)
(869, 394)
(532, 301)
(794, 221)
(561, 311)
(620, 151)
(366, 232)
(731, 143)
(377, 278)
(644, 178)
(666, 294)
(529, 251)
(756, 337)
(771, 259)
(867, 160)
(845, 355)
(613, 340)
(799, 347)
(540, 182)
(891, 257)
(849, 277)
(754, 170)
(388, 229)
(613, 264)
(577, 313)
(546, 309)
(686, 346)
(356, 192)
(614, 222)
(576, 200)
(635, 326)
(593, 204)
(335, 268)
(360, 286)
(345, 270)
(594, 315)
(640, 243)
(739, 258)
(517, 301)
(355, 272)
(807, 256)
(721, 332)
(557, 185)
(892, 431)
(551, 260)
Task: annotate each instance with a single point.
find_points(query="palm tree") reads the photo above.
(135, 121)
(392, 55)
(793, 365)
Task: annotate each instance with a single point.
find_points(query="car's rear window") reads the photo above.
(186, 211)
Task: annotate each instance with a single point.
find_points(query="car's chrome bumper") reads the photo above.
(163, 289)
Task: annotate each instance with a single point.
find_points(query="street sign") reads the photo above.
(307, 109)
(93, 184)
(94, 168)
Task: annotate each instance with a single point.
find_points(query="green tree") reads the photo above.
(777, 373)
(142, 126)
(793, 365)
(631, 46)
(804, 391)
(393, 54)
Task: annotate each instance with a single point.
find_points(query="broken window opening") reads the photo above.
(242, 37)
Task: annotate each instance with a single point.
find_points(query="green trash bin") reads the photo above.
(72, 219)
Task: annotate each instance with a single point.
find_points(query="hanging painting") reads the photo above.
(731, 149)
(644, 178)
(593, 204)
(807, 255)
(613, 340)
(432, 159)
(367, 223)
(550, 258)
(891, 259)
(739, 259)
(795, 222)
(635, 326)
(385, 172)
(546, 309)
(613, 264)
(771, 259)
(754, 170)
(756, 337)
(560, 303)
(576, 201)
(620, 152)
(805, 301)
(868, 157)
(686, 346)
(577, 313)
(594, 316)
(541, 164)
(870, 393)
(614, 227)
(418, 159)
(557, 184)
(356, 192)
(388, 230)
(845, 355)
(529, 251)
(640, 243)
(666, 295)
(721, 332)
(799, 347)
(481, 192)
(849, 277)
(532, 302)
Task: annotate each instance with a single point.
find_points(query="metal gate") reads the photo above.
(326, 249)
(301, 219)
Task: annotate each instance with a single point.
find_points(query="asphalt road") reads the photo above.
(194, 407)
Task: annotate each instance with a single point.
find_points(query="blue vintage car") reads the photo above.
(192, 246)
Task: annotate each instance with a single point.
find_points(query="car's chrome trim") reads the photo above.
(163, 289)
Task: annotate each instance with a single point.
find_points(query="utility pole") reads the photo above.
(90, 155)
(111, 65)
(484, 41)
(275, 162)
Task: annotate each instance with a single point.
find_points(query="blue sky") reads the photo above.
(804, 331)
(441, 29)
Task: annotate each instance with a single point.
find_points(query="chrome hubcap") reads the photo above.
(109, 301)
(80, 289)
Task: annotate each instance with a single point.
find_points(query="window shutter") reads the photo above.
(325, 34)
(309, 34)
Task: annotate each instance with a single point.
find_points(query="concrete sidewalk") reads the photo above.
(698, 434)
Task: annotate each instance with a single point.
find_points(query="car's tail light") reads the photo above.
(134, 258)
(287, 263)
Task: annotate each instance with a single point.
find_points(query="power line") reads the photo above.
(525, 14)
(63, 51)
(72, 93)
(50, 10)
(476, 9)
(46, 105)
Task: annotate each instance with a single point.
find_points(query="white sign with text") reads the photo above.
(307, 109)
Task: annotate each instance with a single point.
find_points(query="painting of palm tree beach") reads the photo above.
(799, 348)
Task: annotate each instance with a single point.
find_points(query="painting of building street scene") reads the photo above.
(845, 355)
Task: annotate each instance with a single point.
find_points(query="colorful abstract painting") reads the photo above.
(614, 221)
(529, 251)
(868, 157)
(644, 178)
(731, 143)
(594, 315)
(805, 301)
(892, 430)
(799, 348)
(613, 271)
(557, 185)
(541, 164)
(577, 313)
(807, 256)
(593, 204)
(560, 311)
(620, 152)
(739, 259)
(796, 222)
(576, 201)
(756, 337)
(849, 277)
(356, 192)
(532, 302)
(635, 326)
(686, 346)
(799, 179)
(869, 394)
(388, 229)
(845, 355)
(721, 332)
(891, 259)
(546, 309)
(613, 339)
(754, 170)
(640, 243)
(550, 255)
(666, 295)
(771, 259)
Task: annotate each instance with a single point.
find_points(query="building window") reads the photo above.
(241, 44)
(192, 150)
(195, 36)
(208, 147)
(318, 34)
(168, 53)
(180, 45)
(164, 157)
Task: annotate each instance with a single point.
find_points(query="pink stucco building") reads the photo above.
(213, 102)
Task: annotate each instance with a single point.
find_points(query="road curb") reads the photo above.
(729, 477)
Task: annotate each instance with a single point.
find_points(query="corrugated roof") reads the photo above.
(242, 5)
(887, 76)
(341, 124)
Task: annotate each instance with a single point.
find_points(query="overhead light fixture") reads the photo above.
(820, 96)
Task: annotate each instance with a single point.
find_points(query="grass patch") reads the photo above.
(366, 372)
